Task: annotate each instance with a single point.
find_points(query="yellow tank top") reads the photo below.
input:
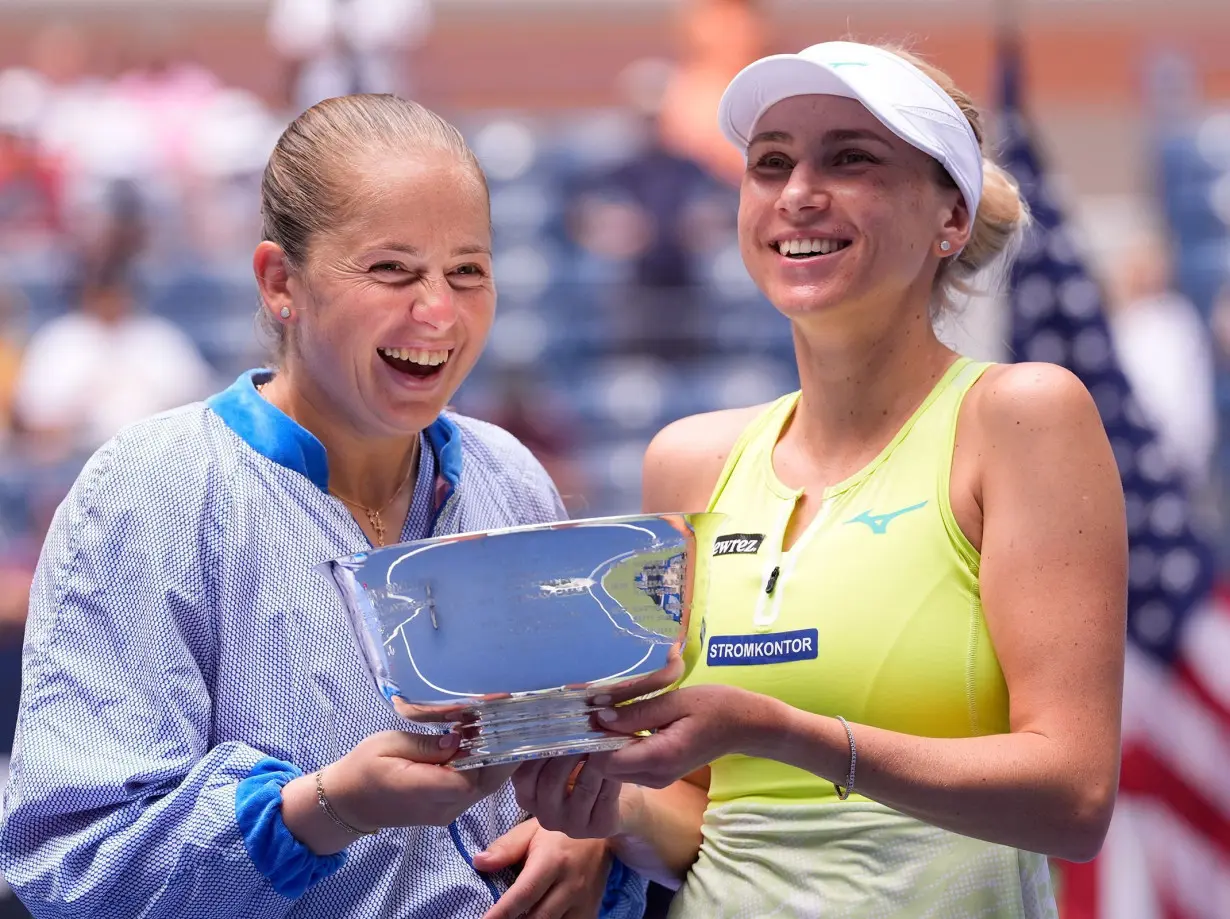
(873, 613)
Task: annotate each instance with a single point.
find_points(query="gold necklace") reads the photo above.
(373, 514)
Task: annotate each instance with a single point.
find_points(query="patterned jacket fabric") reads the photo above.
(179, 634)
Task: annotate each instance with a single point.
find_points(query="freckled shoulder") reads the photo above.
(684, 460)
(1033, 412)
(1031, 396)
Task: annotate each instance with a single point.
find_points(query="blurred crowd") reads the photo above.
(128, 217)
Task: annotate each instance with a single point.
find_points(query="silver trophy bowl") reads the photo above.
(511, 634)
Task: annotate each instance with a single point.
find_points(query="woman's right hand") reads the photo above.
(395, 778)
(570, 795)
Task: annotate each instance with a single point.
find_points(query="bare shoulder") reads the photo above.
(685, 458)
(1018, 403)
(1039, 443)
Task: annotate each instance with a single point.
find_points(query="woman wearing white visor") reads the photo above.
(904, 685)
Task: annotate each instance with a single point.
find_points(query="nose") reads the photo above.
(805, 190)
(434, 304)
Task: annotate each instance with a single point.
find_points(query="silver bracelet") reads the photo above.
(842, 795)
(328, 809)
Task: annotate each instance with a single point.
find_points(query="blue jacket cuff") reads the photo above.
(290, 866)
(625, 893)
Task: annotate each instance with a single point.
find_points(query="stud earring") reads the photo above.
(286, 312)
(945, 245)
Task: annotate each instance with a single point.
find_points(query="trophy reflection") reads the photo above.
(511, 633)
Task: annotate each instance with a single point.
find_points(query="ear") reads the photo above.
(958, 223)
(273, 278)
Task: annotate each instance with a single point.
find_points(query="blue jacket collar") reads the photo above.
(274, 434)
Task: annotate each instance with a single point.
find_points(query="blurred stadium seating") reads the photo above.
(554, 321)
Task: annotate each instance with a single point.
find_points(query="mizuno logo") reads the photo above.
(738, 544)
(879, 522)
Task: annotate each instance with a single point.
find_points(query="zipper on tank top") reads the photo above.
(768, 588)
(781, 564)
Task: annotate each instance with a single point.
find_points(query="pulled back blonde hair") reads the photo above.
(1003, 215)
(307, 187)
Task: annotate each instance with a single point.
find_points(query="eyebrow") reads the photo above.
(411, 250)
(836, 136)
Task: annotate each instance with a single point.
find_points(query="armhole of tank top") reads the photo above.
(964, 382)
(746, 436)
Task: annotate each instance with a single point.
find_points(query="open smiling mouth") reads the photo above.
(800, 249)
(415, 362)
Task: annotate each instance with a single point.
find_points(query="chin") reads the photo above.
(406, 413)
(407, 424)
(795, 303)
(419, 415)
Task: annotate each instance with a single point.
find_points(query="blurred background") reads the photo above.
(132, 138)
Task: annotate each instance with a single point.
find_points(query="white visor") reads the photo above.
(904, 99)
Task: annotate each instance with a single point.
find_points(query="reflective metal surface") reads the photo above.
(511, 633)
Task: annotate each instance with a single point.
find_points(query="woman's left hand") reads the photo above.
(692, 728)
(561, 878)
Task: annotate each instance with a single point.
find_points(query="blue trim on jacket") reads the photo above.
(291, 867)
(274, 434)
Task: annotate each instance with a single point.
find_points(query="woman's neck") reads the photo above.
(859, 386)
(364, 470)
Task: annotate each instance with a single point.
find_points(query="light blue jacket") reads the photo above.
(181, 649)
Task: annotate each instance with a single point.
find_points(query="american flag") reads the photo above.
(1167, 855)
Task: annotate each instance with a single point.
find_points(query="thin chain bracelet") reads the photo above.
(842, 795)
(328, 809)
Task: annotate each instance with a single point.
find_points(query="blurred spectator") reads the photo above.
(15, 580)
(656, 212)
(18, 552)
(12, 324)
(89, 373)
(162, 98)
(334, 47)
(531, 413)
(1166, 350)
(119, 235)
(54, 77)
(30, 190)
(166, 125)
(52, 103)
(1220, 320)
(719, 38)
(32, 172)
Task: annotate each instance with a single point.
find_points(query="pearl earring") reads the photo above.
(286, 312)
(945, 245)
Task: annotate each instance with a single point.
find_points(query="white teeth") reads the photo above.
(809, 246)
(417, 355)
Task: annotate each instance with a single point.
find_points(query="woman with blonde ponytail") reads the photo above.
(905, 662)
